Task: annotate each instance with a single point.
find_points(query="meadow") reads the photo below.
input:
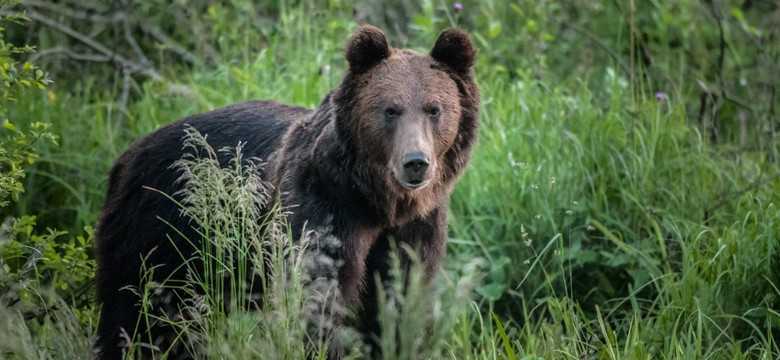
(623, 201)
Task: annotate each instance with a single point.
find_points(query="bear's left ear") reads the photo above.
(366, 47)
(455, 49)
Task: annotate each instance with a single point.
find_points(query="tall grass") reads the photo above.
(243, 295)
(600, 221)
(60, 335)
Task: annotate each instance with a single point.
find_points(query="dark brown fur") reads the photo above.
(342, 167)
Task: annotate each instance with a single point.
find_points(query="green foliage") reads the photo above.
(37, 271)
(622, 202)
(16, 152)
(33, 264)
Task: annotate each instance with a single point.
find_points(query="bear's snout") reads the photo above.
(415, 165)
(414, 172)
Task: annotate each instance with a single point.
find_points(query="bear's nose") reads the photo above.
(415, 165)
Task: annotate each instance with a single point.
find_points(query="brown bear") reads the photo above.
(376, 160)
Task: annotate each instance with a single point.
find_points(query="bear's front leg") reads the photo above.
(321, 259)
(334, 271)
(427, 237)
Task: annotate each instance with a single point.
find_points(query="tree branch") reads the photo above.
(601, 44)
(76, 14)
(115, 57)
(69, 53)
(170, 43)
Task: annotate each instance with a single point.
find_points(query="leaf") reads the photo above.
(517, 9)
(531, 26)
(737, 14)
(31, 157)
(507, 345)
(497, 272)
(494, 29)
(491, 292)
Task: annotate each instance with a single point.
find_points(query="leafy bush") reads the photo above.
(16, 151)
(30, 264)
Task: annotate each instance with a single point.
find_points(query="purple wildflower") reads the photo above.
(660, 96)
(458, 6)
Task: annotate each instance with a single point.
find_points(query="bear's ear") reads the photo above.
(366, 47)
(454, 49)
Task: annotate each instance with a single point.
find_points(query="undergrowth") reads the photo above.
(622, 202)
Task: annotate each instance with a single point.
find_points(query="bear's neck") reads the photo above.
(373, 196)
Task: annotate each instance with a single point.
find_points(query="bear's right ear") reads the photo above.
(455, 49)
(366, 47)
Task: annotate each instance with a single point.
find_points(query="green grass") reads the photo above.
(595, 221)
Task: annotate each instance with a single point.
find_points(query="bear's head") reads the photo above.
(411, 117)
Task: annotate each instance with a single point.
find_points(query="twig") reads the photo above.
(8, 297)
(717, 103)
(722, 39)
(170, 43)
(739, 102)
(601, 44)
(77, 14)
(73, 55)
(134, 44)
(723, 199)
(125, 95)
(774, 125)
(742, 120)
(93, 6)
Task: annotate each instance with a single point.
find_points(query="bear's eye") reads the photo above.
(391, 112)
(434, 112)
